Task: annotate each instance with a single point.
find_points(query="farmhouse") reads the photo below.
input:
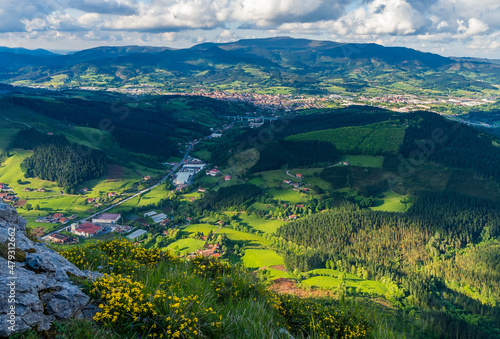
(107, 218)
(227, 177)
(213, 172)
(286, 181)
(298, 175)
(202, 190)
(86, 230)
(60, 238)
(112, 194)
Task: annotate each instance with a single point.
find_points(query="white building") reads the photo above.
(107, 218)
(182, 178)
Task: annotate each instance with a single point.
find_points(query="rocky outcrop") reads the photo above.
(35, 281)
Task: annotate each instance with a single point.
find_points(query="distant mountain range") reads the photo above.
(298, 64)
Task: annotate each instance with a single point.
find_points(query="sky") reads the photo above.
(447, 27)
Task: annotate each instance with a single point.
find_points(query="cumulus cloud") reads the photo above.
(391, 21)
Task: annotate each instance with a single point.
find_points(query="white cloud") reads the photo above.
(428, 24)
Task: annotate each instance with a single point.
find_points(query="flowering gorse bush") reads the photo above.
(150, 293)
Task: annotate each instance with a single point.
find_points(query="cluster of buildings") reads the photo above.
(7, 194)
(209, 250)
(190, 168)
(268, 101)
(98, 225)
(215, 171)
(158, 218)
(55, 218)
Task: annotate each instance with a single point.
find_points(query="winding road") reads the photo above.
(17, 122)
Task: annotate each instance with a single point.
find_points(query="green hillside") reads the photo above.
(374, 139)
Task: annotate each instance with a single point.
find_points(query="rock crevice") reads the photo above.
(35, 284)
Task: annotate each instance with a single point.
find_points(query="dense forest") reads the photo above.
(374, 139)
(31, 138)
(431, 251)
(55, 159)
(294, 154)
(432, 137)
(230, 196)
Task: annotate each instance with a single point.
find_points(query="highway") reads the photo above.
(174, 169)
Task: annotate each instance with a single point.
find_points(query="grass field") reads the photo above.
(330, 279)
(287, 195)
(257, 258)
(203, 228)
(275, 274)
(390, 202)
(187, 245)
(260, 224)
(270, 178)
(242, 238)
(364, 160)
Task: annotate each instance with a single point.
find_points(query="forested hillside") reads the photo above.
(426, 250)
(55, 159)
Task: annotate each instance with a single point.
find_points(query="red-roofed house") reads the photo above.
(87, 230)
(57, 215)
(298, 175)
(292, 217)
(227, 177)
(112, 194)
(63, 220)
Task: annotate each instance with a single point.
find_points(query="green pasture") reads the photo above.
(287, 195)
(389, 202)
(364, 160)
(257, 258)
(330, 279)
(260, 224)
(187, 245)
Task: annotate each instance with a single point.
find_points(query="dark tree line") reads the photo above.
(294, 154)
(432, 137)
(68, 165)
(31, 138)
(230, 196)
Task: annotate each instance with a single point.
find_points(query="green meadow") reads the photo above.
(363, 160)
(257, 258)
(390, 202)
(331, 279)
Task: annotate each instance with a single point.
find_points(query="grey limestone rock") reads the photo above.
(37, 290)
